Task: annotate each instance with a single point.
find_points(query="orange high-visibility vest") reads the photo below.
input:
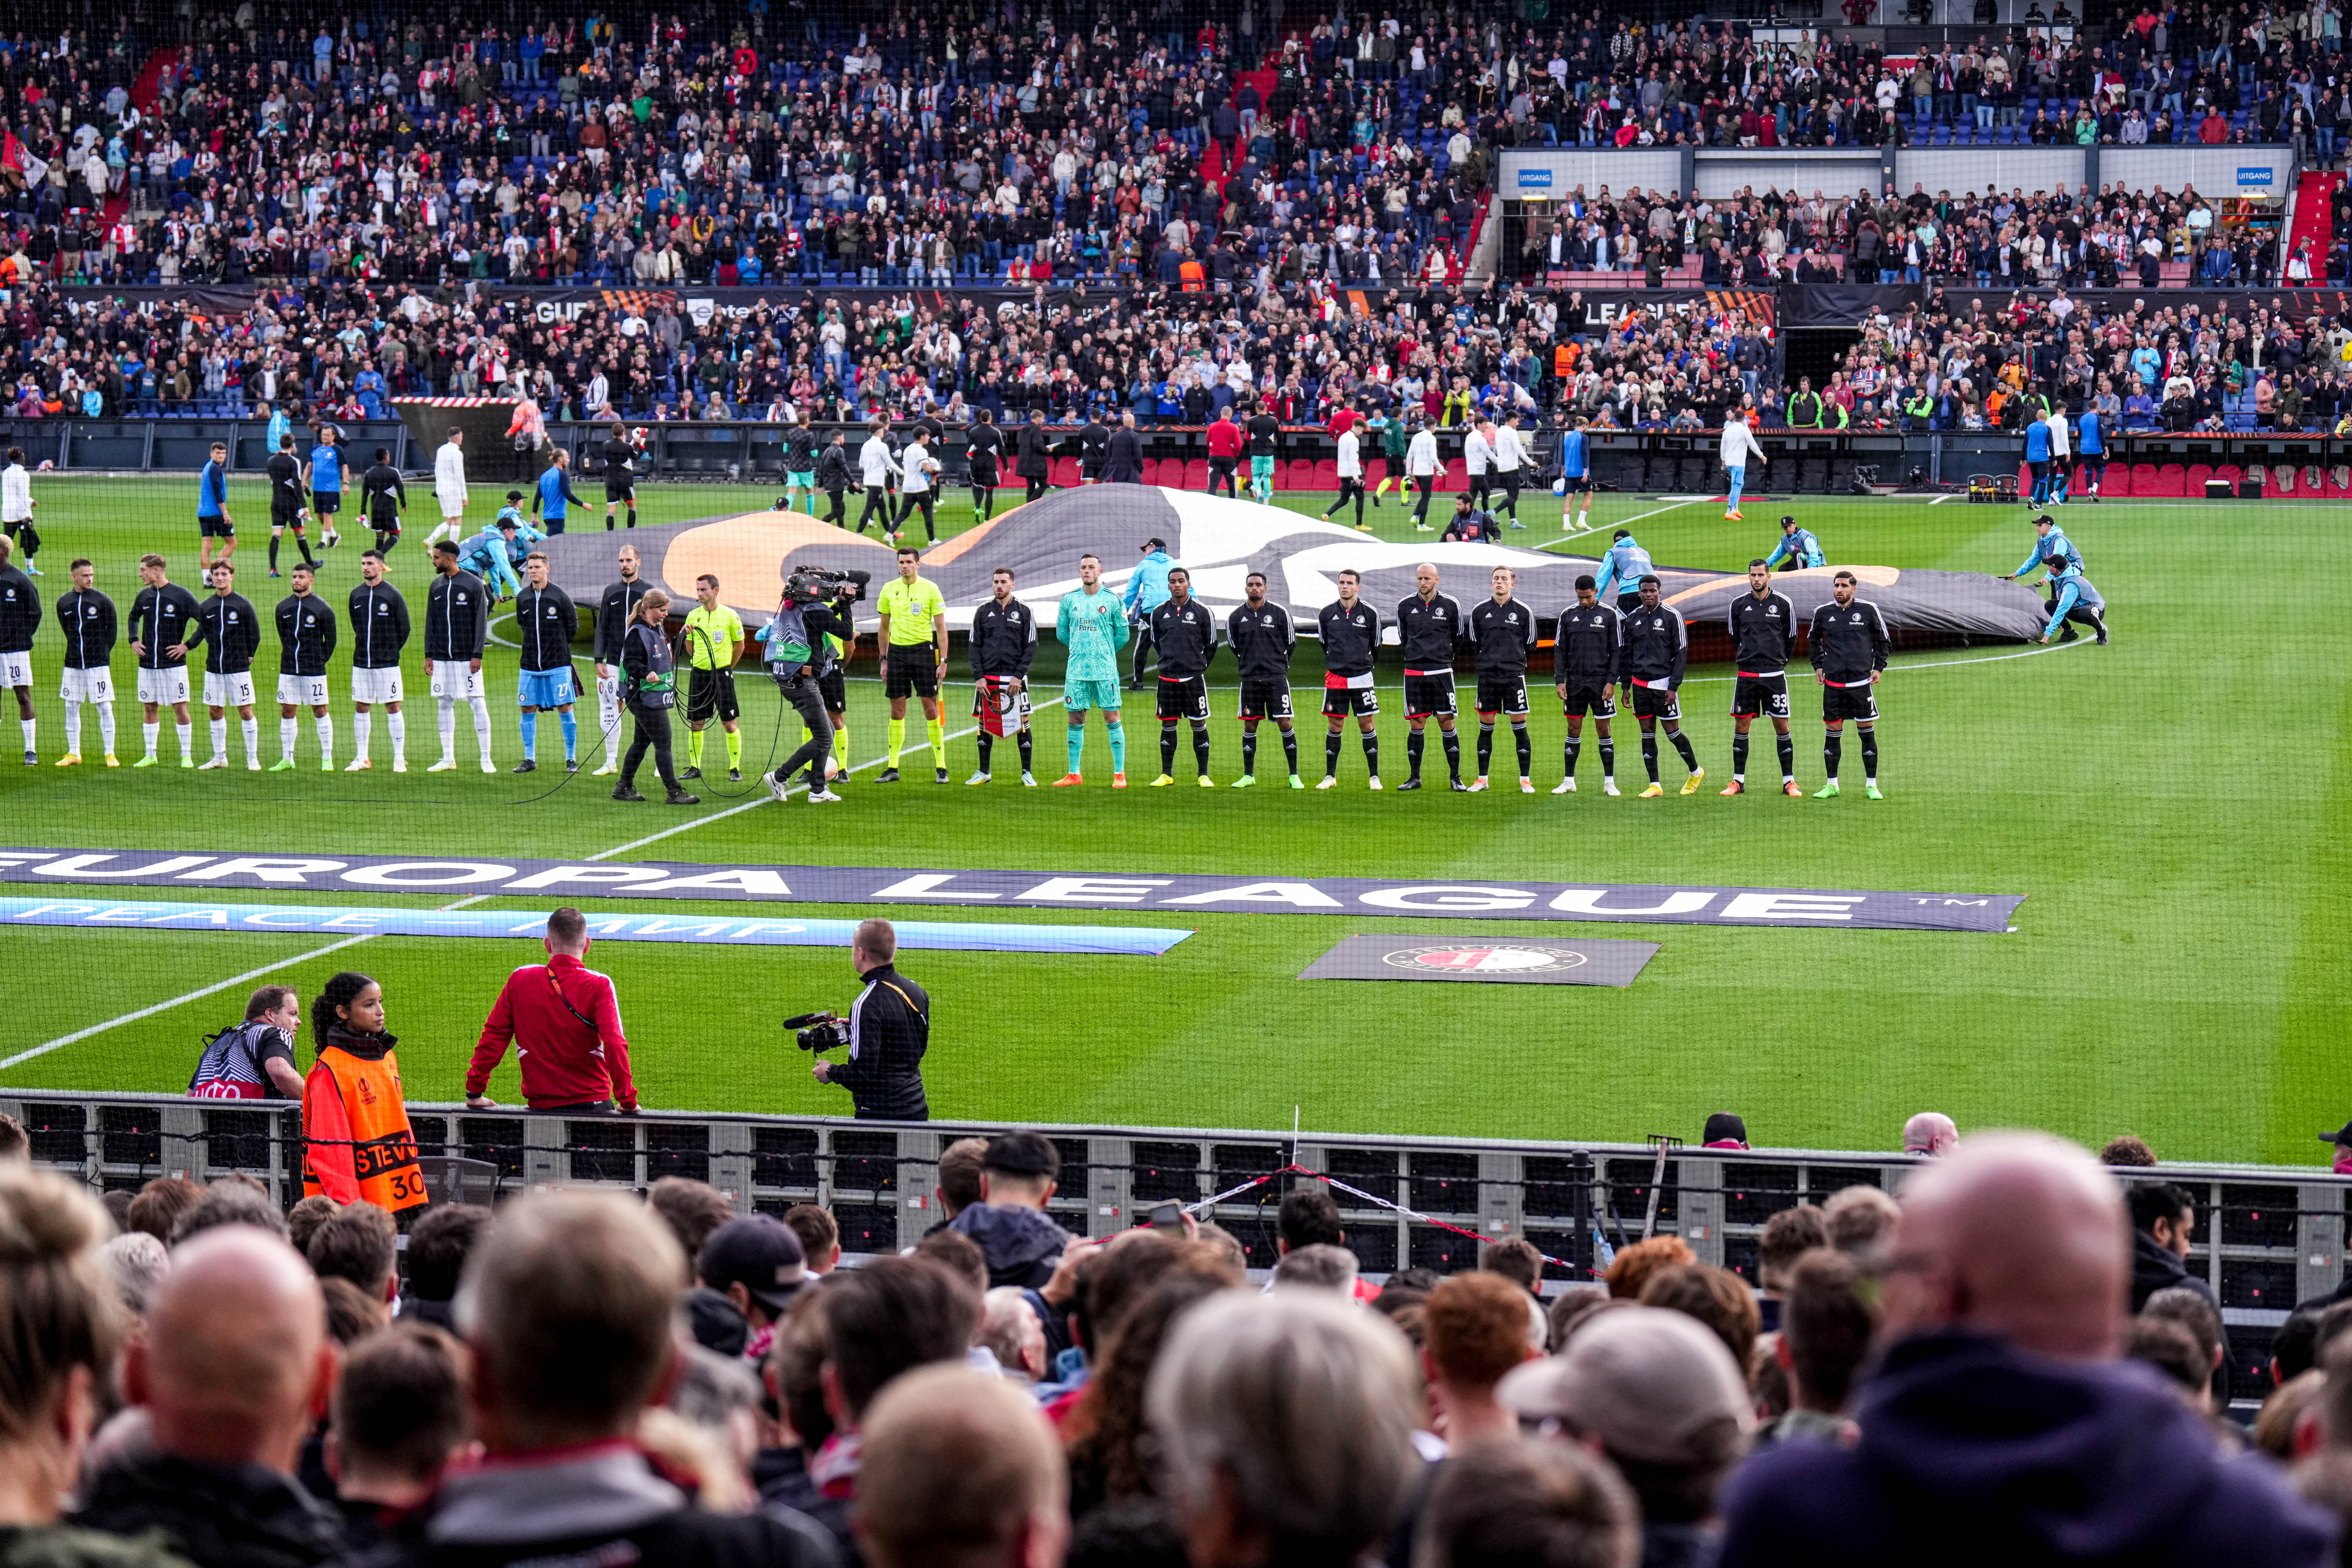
(357, 1145)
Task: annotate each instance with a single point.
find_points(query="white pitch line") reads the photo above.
(1621, 522)
(79, 1034)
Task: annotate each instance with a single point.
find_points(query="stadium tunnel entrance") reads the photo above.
(1816, 352)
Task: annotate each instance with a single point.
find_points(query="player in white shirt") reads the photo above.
(2062, 449)
(16, 504)
(449, 489)
(876, 465)
(1510, 462)
(1739, 444)
(919, 488)
(1352, 479)
(1425, 468)
(1477, 457)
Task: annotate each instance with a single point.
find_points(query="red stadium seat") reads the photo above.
(2116, 481)
(2230, 471)
(2197, 474)
(1063, 472)
(1326, 474)
(1298, 474)
(1196, 475)
(1152, 467)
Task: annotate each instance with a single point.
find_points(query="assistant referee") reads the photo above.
(714, 646)
(913, 657)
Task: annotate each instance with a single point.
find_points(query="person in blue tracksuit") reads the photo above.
(1576, 479)
(1146, 592)
(2090, 450)
(2049, 541)
(2037, 458)
(555, 497)
(490, 555)
(1798, 547)
(213, 518)
(1623, 563)
(2072, 599)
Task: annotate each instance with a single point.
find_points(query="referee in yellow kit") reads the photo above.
(914, 658)
(714, 646)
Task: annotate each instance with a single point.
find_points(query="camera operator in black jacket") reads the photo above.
(890, 1030)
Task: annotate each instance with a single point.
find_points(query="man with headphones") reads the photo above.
(890, 1030)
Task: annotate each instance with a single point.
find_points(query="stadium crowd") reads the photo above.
(2008, 1361)
(1223, 178)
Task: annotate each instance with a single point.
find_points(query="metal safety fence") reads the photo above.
(2266, 1237)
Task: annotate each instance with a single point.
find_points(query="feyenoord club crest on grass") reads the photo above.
(1511, 961)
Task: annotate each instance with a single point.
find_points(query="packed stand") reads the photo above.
(989, 145)
(2010, 1360)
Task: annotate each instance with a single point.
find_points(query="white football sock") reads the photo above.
(220, 737)
(362, 722)
(326, 728)
(106, 727)
(252, 728)
(482, 725)
(286, 738)
(398, 725)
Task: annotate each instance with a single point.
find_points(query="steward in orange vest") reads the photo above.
(357, 1145)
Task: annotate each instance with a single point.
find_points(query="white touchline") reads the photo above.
(1622, 521)
(44, 1048)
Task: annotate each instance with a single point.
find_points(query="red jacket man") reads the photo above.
(564, 1022)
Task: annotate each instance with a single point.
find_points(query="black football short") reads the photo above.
(912, 673)
(215, 528)
(1266, 700)
(1430, 696)
(1657, 702)
(286, 514)
(1849, 702)
(834, 689)
(326, 503)
(711, 693)
(1761, 694)
(1184, 697)
(1503, 691)
(1582, 699)
(1361, 701)
(621, 489)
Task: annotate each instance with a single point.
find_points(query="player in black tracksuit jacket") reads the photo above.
(985, 449)
(1185, 633)
(1431, 628)
(1763, 626)
(20, 619)
(1650, 664)
(1003, 646)
(456, 625)
(306, 641)
(1585, 671)
(1503, 631)
(1262, 638)
(1849, 647)
(86, 617)
(228, 628)
(1350, 630)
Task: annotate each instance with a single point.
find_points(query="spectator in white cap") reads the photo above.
(1658, 1393)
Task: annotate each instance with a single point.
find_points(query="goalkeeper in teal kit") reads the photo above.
(1092, 625)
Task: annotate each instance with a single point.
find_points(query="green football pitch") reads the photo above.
(2177, 809)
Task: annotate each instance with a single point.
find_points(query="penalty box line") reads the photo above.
(204, 991)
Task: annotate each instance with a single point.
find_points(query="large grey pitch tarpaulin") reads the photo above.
(1222, 542)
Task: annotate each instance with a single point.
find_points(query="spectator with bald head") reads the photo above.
(234, 1370)
(569, 1308)
(1996, 1428)
(1930, 1134)
(959, 1472)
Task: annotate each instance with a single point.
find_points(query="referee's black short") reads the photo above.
(834, 689)
(912, 673)
(711, 693)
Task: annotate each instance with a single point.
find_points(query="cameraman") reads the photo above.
(890, 1030)
(799, 642)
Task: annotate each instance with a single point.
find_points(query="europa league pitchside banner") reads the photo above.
(558, 882)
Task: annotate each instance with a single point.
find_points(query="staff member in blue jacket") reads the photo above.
(551, 502)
